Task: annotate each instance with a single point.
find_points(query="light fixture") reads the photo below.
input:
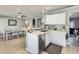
(19, 15)
(47, 8)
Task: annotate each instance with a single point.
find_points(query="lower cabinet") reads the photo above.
(35, 42)
(56, 37)
(59, 38)
(48, 38)
(32, 43)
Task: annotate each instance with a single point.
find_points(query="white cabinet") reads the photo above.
(32, 43)
(51, 19)
(59, 38)
(35, 42)
(56, 37)
(48, 38)
(59, 18)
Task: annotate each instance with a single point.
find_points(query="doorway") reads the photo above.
(73, 40)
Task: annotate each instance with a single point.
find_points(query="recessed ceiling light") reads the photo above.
(48, 8)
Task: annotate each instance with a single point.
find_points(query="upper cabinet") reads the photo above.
(59, 18)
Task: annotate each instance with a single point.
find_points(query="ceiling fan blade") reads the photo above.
(23, 16)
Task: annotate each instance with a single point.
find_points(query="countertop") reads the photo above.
(37, 32)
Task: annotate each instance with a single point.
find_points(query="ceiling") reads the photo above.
(33, 10)
(75, 15)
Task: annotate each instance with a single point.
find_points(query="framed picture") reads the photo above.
(12, 22)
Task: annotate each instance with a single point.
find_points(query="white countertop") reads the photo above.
(57, 30)
(37, 32)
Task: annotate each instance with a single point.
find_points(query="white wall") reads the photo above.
(4, 23)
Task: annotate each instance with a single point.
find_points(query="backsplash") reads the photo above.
(55, 27)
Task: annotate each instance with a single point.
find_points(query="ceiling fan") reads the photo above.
(20, 15)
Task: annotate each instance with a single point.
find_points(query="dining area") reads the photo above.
(11, 34)
(12, 39)
(12, 42)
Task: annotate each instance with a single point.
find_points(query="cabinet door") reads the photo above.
(59, 38)
(50, 19)
(58, 18)
(32, 43)
(48, 38)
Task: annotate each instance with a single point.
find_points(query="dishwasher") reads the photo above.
(41, 42)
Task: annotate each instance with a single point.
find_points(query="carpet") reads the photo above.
(53, 49)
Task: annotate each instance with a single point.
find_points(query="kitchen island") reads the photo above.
(35, 41)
